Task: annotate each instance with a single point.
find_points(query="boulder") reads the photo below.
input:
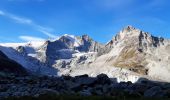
(103, 79)
(84, 80)
(155, 91)
(82, 76)
(47, 92)
(85, 92)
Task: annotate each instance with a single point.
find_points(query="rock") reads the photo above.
(106, 88)
(32, 81)
(135, 94)
(19, 93)
(82, 59)
(82, 76)
(22, 50)
(143, 81)
(129, 83)
(66, 77)
(115, 86)
(85, 93)
(77, 87)
(123, 84)
(34, 91)
(139, 88)
(84, 80)
(97, 90)
(166, 86)
(167, 93)
(155, 91)
(47, 91)
(103, 79)
(4, 95)
(3, 88)
(117, 92)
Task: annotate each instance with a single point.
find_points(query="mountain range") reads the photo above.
(128, 56)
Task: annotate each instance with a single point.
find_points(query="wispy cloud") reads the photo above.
(20, 19)
(45, 30)
(48, 34)
(30, 38)
(1, 12)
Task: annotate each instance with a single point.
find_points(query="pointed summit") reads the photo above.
(128, 31)
(129, 28)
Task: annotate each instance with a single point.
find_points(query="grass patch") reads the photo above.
(131, 59)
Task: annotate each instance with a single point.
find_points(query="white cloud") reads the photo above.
(46, 31)
(48, 34)
(20, 19)
(31, 38)
(1, 12)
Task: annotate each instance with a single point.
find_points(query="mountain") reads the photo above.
(130, 55)
(8, 66)
(139, 52)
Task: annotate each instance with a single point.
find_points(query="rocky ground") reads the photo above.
(19, 86)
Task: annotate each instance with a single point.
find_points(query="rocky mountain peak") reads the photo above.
(87, 44)
(135, 38)
(128, 31)
(86, 38)
(129, 28)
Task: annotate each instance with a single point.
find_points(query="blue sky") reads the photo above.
(28, 20)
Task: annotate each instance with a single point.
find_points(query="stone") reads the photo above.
(3, 95)
(103, 79)
(77, 87)
(167, 93)
(85, 93)
(66, 77)
(84, 80)
(139, 88)
(106, 88)
(82, 76)
(135, 94)
(47, 91)
(155, 91)
(166, 86)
